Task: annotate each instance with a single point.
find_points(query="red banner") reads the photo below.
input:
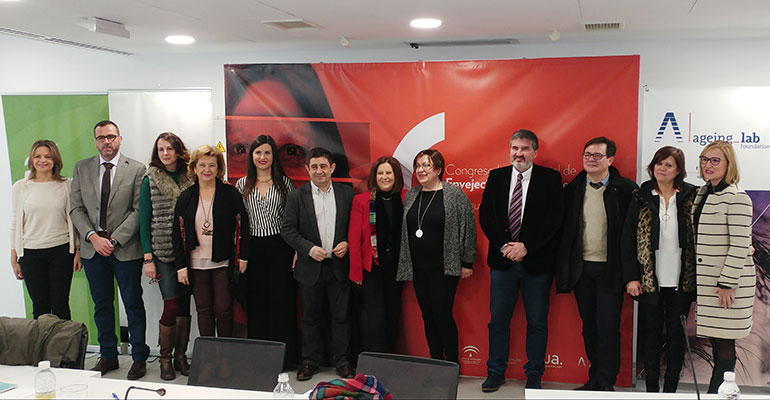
(467, 110)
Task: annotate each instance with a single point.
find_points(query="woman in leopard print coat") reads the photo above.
(659, 262)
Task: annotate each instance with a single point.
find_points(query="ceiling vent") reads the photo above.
(603, 26)
(49, 39)
(452, 43)
(105, 26)
(290, 24)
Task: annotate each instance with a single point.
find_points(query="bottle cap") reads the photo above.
(283, 377)
(729, 376)
(44, 364)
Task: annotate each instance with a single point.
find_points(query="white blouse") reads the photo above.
(668, 257)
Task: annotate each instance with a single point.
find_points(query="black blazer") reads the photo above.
(569, 262)
(228, 205)
(300, 231)
(540, 224)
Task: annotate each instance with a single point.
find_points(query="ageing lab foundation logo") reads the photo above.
(741, 138)
(470, 355)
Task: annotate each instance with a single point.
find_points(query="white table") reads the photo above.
(103, 388)
(580, 394)
(24, 378)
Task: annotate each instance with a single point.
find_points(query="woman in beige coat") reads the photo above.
(725, 269)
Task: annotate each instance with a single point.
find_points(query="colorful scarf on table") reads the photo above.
(373, 225)
(360, 387)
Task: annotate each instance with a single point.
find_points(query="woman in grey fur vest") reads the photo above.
(438, 247)
(165, 180)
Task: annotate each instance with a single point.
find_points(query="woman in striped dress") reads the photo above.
(271, 305)
(725, 269)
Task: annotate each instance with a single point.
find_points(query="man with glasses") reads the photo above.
(588, 262)
(105, 212)
(520, 214)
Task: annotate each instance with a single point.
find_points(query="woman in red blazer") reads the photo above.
(374, 241)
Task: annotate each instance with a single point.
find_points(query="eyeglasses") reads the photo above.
(594, 156)
(425, 167)
(106, 138)
(712, 160)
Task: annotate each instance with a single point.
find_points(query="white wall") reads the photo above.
(35, 67)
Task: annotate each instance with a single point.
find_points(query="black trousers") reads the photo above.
(48, 276)
(436, 296)
(599, 309)
(338, 294)
(382, 300)
(271, 304)
(670, 305)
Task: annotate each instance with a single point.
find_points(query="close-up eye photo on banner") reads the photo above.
(288, 103)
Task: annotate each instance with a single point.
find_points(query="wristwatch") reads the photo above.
(113, 242)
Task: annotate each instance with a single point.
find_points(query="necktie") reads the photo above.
(597, 185)
(514, 213)
(105, 195)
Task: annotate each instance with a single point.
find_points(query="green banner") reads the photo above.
(68, 120)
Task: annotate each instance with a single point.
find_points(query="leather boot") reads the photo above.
(717, 376)
(180, 347)
(166, 340)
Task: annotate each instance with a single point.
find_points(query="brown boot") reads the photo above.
(166, 340)
(180, 346)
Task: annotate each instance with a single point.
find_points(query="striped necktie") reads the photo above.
(514, 213)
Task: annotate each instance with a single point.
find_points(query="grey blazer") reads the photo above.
(459, 233)
(123, 212)
(300, 231)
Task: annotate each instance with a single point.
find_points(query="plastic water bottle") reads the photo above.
(45, 381)
(729, 389)
(283, 390)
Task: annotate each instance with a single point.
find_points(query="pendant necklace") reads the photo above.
(206, 230)
(418, 232)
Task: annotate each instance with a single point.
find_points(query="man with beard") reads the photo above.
(105, 212)
(520, 214)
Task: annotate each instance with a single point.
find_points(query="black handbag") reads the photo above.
(238, 284)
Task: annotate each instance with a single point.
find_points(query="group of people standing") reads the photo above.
(262, 241)
(194, 234)
(665, 243)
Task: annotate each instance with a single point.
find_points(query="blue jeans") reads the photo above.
(503, 293)
(100, 272)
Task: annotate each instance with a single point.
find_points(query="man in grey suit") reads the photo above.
(105, 211)
(315, 224)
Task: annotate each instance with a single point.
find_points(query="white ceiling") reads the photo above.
(236, 25)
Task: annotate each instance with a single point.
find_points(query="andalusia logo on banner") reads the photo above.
(470, 355)
(746, 138)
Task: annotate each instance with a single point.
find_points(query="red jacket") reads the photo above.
(359, 240)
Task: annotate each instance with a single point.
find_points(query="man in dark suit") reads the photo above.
(520, 214)
(105, 211)
(596, 201)
(315, 224)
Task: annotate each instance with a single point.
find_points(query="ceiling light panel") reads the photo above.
(425, 23)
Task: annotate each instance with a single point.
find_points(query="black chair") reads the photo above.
(236, 363)
(410, 377)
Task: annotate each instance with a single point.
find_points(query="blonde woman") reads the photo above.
(208, 220)
(724, 267)
(43, 245)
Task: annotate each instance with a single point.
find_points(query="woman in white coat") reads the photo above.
(725, 270)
